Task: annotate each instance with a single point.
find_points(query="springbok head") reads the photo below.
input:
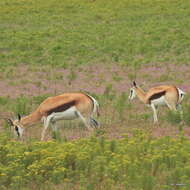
(18, 128)
(132, 93)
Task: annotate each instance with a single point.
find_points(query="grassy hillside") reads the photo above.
(48, 47)
(62, 32)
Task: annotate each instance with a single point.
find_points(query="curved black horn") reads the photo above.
(134, 83)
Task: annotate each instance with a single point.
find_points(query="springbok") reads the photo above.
(168, 95)
(67, 106)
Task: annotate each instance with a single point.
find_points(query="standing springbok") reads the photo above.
(168, 95)
(67, 106)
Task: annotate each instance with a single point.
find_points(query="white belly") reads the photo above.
(160, 101)
(68, 114)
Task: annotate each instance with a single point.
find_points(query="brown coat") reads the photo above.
(169, 91)
(81, 101)
(62, 102)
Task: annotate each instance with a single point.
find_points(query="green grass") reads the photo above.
(63, 32)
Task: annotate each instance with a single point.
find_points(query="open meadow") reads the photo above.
(99, 46)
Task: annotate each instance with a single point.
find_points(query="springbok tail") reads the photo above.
(181, 95)
(96, 109)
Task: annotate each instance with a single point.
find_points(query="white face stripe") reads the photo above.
(132, 94)
(18, 130)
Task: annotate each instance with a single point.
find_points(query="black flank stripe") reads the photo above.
(156, 96)
(61, 108)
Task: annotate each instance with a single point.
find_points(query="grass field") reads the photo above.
(100, 46)
(79, 32)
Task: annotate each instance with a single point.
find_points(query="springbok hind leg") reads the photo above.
(93, 122)
(179, 108)
(84, 120)
(176, 108)
(171, 106)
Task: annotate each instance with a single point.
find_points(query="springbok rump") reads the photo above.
(168, 95)
(67, 106)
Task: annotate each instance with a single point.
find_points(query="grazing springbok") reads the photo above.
(168, 95)
(67, 106)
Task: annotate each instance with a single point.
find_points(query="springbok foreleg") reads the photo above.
(154, 113)
(55, 128)
(54, 125)
(46, 124)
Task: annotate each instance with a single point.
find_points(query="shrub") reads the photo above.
(138, 162)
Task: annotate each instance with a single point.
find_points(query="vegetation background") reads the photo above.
(56, 46)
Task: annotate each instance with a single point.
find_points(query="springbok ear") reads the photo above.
(10, 122)
(134, 84)
(19, 117)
